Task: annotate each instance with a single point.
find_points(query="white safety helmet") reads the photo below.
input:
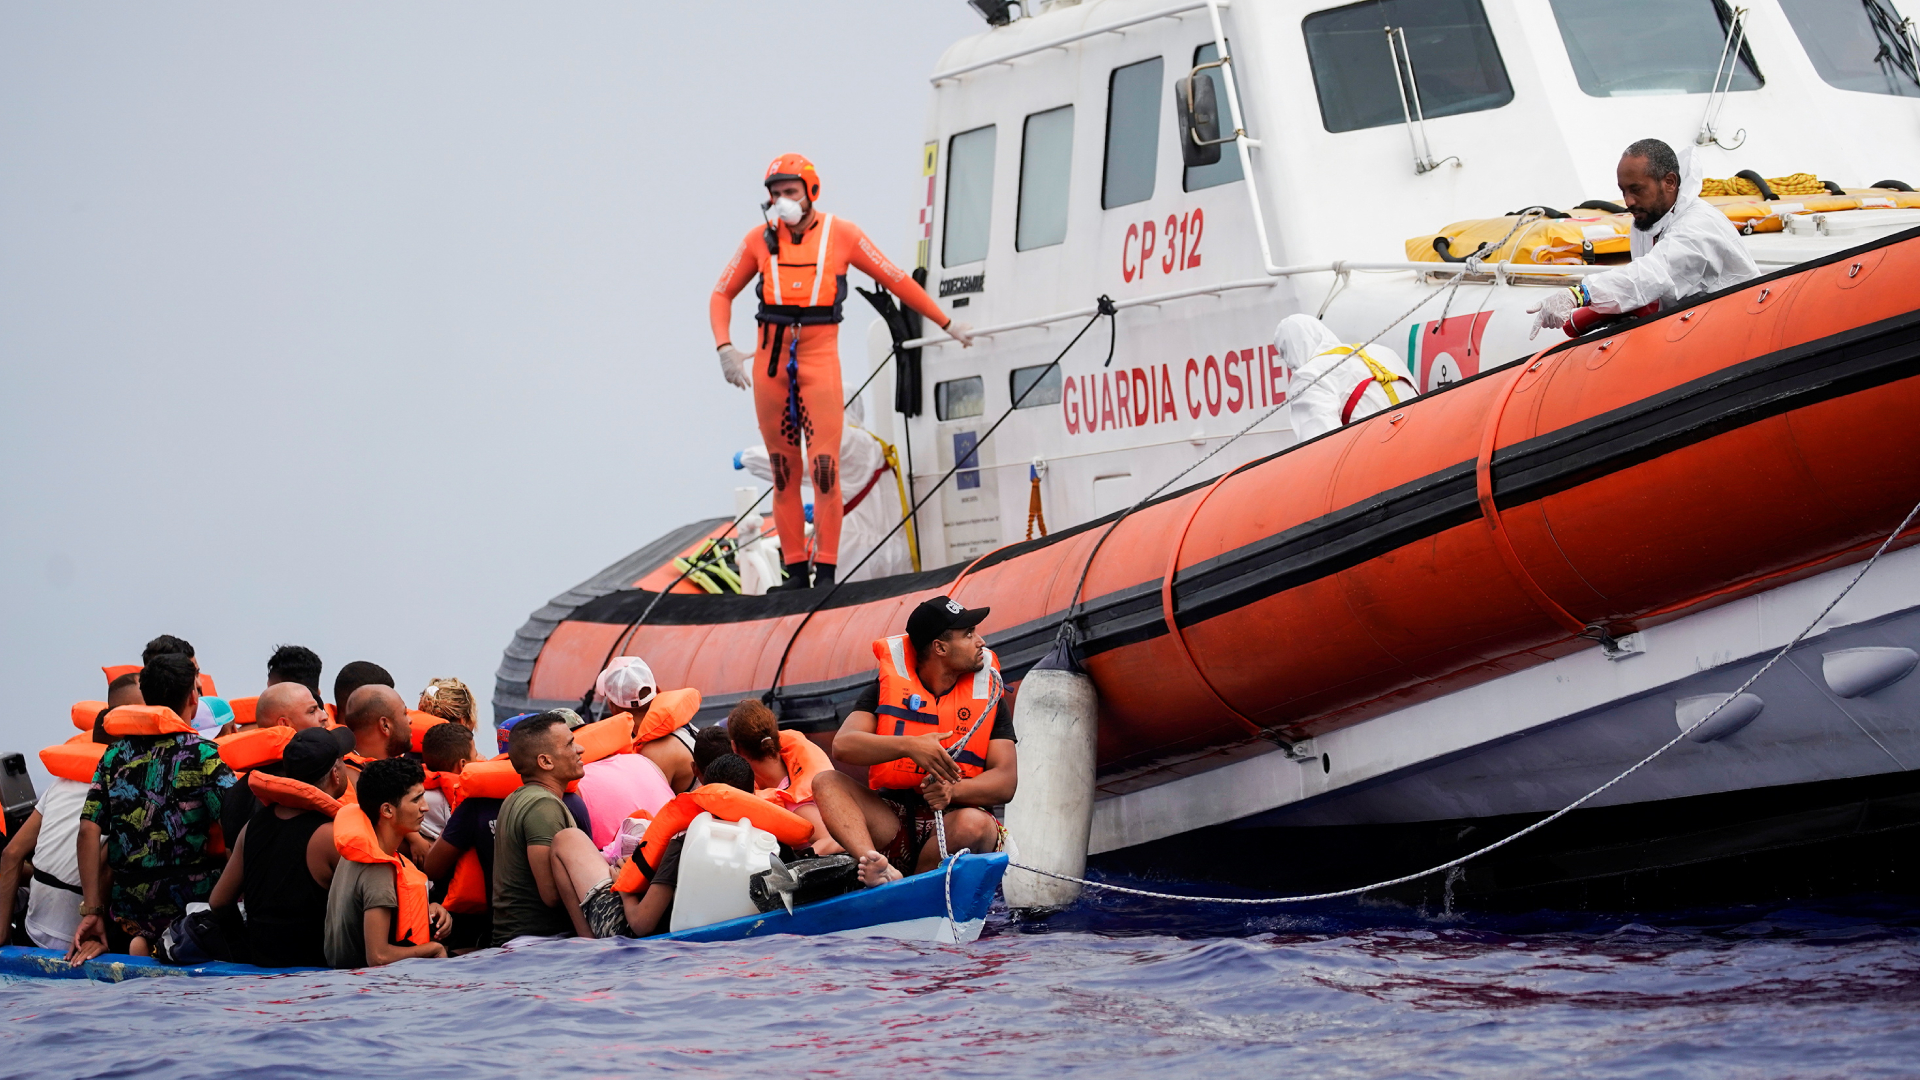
(628, 683)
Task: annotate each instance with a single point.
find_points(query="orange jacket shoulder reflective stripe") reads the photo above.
(145, 720)
(284, 791)
(908, 708)
(804, 762)
(83, 713)
(353, 835)
(723, 802)
(670, 711)
(254, 747)
(74, 760)
(788, 280)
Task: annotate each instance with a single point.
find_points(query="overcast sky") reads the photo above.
(370, 327)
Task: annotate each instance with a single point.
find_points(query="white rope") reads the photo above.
(1543, 822)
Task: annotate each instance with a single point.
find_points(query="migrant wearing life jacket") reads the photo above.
(724, 802)
(804, 762)
(254, 747)
(909, 708)
(448, 784)
(495, 778)
(356, 841)
(294, 794)
(76, 759)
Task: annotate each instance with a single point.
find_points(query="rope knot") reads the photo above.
(1105, 305)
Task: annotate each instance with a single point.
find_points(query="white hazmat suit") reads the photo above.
(1323, 378)
(1692, 249)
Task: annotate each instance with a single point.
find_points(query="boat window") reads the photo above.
(1133, 133)
(1227, 169)
(957, 399)
(1857, 45)
(1046, 153)
(1456, 64)
(1046, 393)
(1639, 48)
(969, 197)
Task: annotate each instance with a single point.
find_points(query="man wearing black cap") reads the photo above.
(283, 860)
(935, 732)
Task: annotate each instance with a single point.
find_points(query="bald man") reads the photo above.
(291, 705)
(377, 716)
(378, 719)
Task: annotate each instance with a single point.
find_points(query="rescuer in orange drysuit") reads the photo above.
(801, 258)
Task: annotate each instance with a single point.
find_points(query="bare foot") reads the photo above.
(876, 870)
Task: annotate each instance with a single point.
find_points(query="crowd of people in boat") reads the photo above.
(284, 830)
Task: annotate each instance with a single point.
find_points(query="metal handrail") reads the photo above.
(1338, 266)
(1055, 43)
(1717, 95)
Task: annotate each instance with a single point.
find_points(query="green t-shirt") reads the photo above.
(529, 818)
(356, 887)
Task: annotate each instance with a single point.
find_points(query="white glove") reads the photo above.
(1553, 310)
(733, 364)
(960, 332)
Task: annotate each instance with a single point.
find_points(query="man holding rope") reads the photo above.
(935, 732)
(801, 258)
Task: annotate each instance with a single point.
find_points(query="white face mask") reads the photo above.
(787, 210)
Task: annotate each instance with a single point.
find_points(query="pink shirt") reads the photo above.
(616, 786)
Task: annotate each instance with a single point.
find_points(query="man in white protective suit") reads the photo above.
(1331, 385)
(872, 506)
(1681, 244)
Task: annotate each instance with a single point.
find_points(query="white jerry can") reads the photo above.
(716, 860)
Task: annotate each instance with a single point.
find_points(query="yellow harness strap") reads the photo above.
(1382, 375)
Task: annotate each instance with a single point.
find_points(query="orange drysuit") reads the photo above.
(796, 363)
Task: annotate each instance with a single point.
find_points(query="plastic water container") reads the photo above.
(715, 862)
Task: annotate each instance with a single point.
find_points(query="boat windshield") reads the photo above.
(1634, 48)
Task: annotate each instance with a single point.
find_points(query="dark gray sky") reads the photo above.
(371, 326)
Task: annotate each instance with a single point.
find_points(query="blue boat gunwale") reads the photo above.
(975, 881)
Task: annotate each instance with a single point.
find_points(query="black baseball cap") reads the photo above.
(940, 614)
(313, 751)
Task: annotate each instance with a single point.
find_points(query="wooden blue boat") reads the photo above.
(913, 909)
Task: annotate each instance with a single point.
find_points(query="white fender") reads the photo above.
(1051, 814)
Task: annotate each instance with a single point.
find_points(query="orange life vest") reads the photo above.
(146, 720)
(490, 779)
(418, 722)
(114, 671)
(353, 835)
(670, 711)
(84, 713)
(296, 794)
(448, 784)
(253, 747)
(964, 715)
(243, 710)
(724, 802)
(802, 284)
(75, 760)
(804, 762)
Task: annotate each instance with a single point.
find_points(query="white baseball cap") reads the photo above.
(628, 683)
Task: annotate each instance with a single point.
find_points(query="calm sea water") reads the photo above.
(1115, 988)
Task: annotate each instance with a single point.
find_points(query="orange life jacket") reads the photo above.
(964, 716)
(723, 802)
(253, 747)
(467, 891)
(84, 713)
(75, 760)
(353, 835)
(804, 283)
(804, 762)
(114, 671)
(243, 709)
(297, 794)
(418, 723)
(670, 711)
(448, 784)
(605, 738)
(146, 720)
(490, 779)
